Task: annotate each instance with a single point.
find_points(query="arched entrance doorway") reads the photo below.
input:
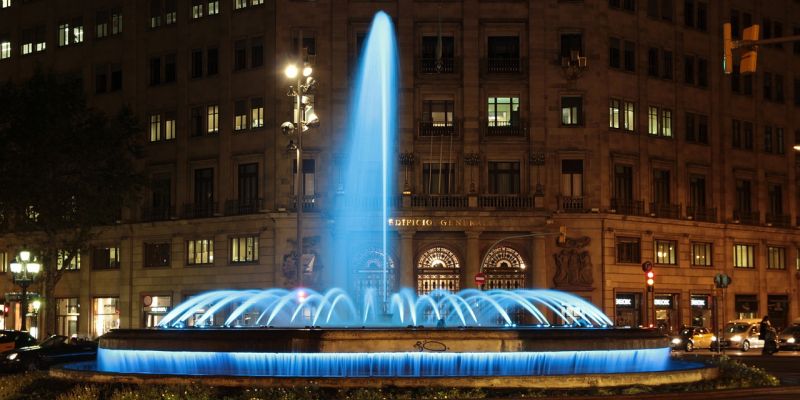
(369, 273)
(438, 268)
(504, 269)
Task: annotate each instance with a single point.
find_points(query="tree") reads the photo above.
(66, 171)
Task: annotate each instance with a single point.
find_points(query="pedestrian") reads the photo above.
(763, 329)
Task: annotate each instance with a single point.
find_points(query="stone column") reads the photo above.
(538, 267)
(473, 261)
(407, 259)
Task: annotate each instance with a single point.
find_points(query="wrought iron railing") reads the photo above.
(627, 206)
(157, 213)
(243, 206)
(571, 204)
(439, 201)
(199, 210)
(702, 214)
(505, 202)
(448, 65)
(428, 129)
(778, 220)
(747, 217)
(661, 210)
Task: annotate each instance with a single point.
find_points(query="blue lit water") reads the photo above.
(416, 364)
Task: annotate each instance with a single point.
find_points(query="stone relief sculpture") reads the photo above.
(573, 264)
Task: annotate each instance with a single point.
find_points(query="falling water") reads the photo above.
(367, 178)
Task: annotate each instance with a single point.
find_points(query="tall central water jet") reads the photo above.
(362, 260)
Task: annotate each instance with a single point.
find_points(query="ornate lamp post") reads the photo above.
(24, 271)
(304, 118)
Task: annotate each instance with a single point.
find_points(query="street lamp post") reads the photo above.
(23, 272)
(304, 118)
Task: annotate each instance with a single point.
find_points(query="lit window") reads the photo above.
(155, 127)
(213, 7)
(197, 9)
(116, 22)
(63, 34)
(74, 263)
(701, 254)
(659, 121)
(776, 257)
(105, 258)
(571, 110)
(212, 116)
(244, 249)
(239, 4)
(106, 315)
(629, 116)
(503, 111)
(257, 2)
(200, 251)
(240, 115)
(101, 24)
(666, 123)
(652, 120)
(5, 49)
(5, 3)
(169, 126)
(666, 252)
(256, 113)
(744, 256)
(613, 114)
(171, 9)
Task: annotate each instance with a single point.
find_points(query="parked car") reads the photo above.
(10, 340)
(56, 349)
(693, 337)
(789, 339)
(742, 334)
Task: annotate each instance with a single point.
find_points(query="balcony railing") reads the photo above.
(505, 202)
(444, 201)
(628, 206)
(660, 210)
(434, 129)
(157, 213)
(503, 65)
(778, 220)
(242, 207)
(448, 65)
(310, 203)
(571, 204)
(200, 210)
(702, 214)
(505, 128)
(747, 217)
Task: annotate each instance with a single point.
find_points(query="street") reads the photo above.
(785, 364)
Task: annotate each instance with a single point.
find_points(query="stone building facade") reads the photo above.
(609, 117)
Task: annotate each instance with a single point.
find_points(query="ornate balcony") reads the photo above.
(310, 203)
(199, 210)
(150, 214)
(437, 129)
(503, 65)
(517, 129)
(701, 214)
(627, 206)
(660, 210)
(443, 201)
(505, 202)
(449, 65)
(778, 220)
(242, 207)
(571, 204)
(747, 217)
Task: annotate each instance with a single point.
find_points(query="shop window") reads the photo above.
(746, 306)
(778, 311)
(67, 314)
(106, 315)
(154, 308)
(701, 310)
(667, 316)
(628, 309)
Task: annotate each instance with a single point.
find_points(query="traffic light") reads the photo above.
(562, 234)
(727, 41)
(748, 64)
(650, 280)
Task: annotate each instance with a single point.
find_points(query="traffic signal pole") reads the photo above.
(750, 42)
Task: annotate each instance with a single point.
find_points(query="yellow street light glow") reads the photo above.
(25, 255)
(291, 71)
(307, 71)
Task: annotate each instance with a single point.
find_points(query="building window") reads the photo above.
(767, 86)
(197, 8)
(70, 32)
(614, 53)
(155, 127)
(438, 178)
(239, 55)
(697, 193)
(502, 111)
(661, 187)
(503, 54)
(627, 5)
(775, 199)
(105, 258)
(746, 306)
(244, 249)
(571, 110)
(779, 88)
(169, 125)
(161, 200)
(213, 7)
(743, 196)
(614, 113)
(162, 127)
(666, 252)
(309, 177)
(155, 71)
(67, 313)
(116, 21)
(200, 251)
(662, 9)
(666, 71)
(257, 112)
(629, 116)
(171, 12)
(571, 44)
(239, 4)
(212, 63)
(204, 192)
(572, 178)
(433, 57)
(701, 254)
(630, 56)
(628, 250)
(659, 121)
(702, 72)
(688, 70)
(155, 13)
(248, 188)
(74, 264)
(504, 177)
(744, 256)
(240, 115)
(106, 315)
(256, 52)
(197, 64)
(5, 3)
(696, 128)
(170, 69)
(196, 121)
(776, 257)
(157, 254)
(212, 119)
(5, 49)
(695, 14)
(33, 40)
(623, 184)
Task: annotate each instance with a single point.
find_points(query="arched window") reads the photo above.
(369, 274)
(438, 268)
(504, 269)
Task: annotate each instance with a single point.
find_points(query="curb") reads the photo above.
(748, 393)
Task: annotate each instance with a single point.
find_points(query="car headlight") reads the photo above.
(790, 340)
(12, 356)
(713, 338)
(676, 341)
(736, 338)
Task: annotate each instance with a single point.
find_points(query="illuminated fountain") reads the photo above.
(348, 337)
